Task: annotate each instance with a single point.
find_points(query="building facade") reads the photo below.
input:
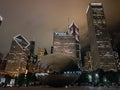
(67, 43)
(17, 56)
(87, 62)
(2, 64)
(41, 52)
(1, 56)
(32, 48)
(100, 41)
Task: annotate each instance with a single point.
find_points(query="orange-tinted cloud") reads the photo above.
(38, 19)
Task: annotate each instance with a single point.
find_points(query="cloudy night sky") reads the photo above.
(38, 19)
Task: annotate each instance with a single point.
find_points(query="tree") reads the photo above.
(20, 79)
(8, 78)
(30, 78)
(83, 77)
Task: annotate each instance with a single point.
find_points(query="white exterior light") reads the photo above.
(89, 76)
(96, 75)
(1, 18)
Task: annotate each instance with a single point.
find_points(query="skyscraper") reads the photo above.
(67, 43)
(100, 44)
(32, 48)
(17, 56)
(1, 56)
(41, 52)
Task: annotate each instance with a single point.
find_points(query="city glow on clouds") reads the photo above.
(38, 19)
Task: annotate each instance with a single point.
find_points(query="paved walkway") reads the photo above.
(62, 88)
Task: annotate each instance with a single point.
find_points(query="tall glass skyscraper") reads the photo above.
(100, 42)
(17, 56)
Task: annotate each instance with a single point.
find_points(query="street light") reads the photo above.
(96, 75)
(1, 19)
(105, 80)
(90, 79)
(96, 78)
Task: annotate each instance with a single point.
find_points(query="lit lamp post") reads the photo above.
(1, 19)
(96, 75)
(105, 81)
(96, 78)
(90, 79)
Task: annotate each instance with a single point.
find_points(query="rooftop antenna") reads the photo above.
(68, 21)
(68, 24)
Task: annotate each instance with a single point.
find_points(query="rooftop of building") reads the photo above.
(61, 34)
(93, 4)
(73, 24)
(21, 41)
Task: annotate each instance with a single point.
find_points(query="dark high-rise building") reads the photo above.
(17, 56)
(1, 56)
(51, 49)
(32, 47)
(102, 55)
(2, 64)
(67, 43)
